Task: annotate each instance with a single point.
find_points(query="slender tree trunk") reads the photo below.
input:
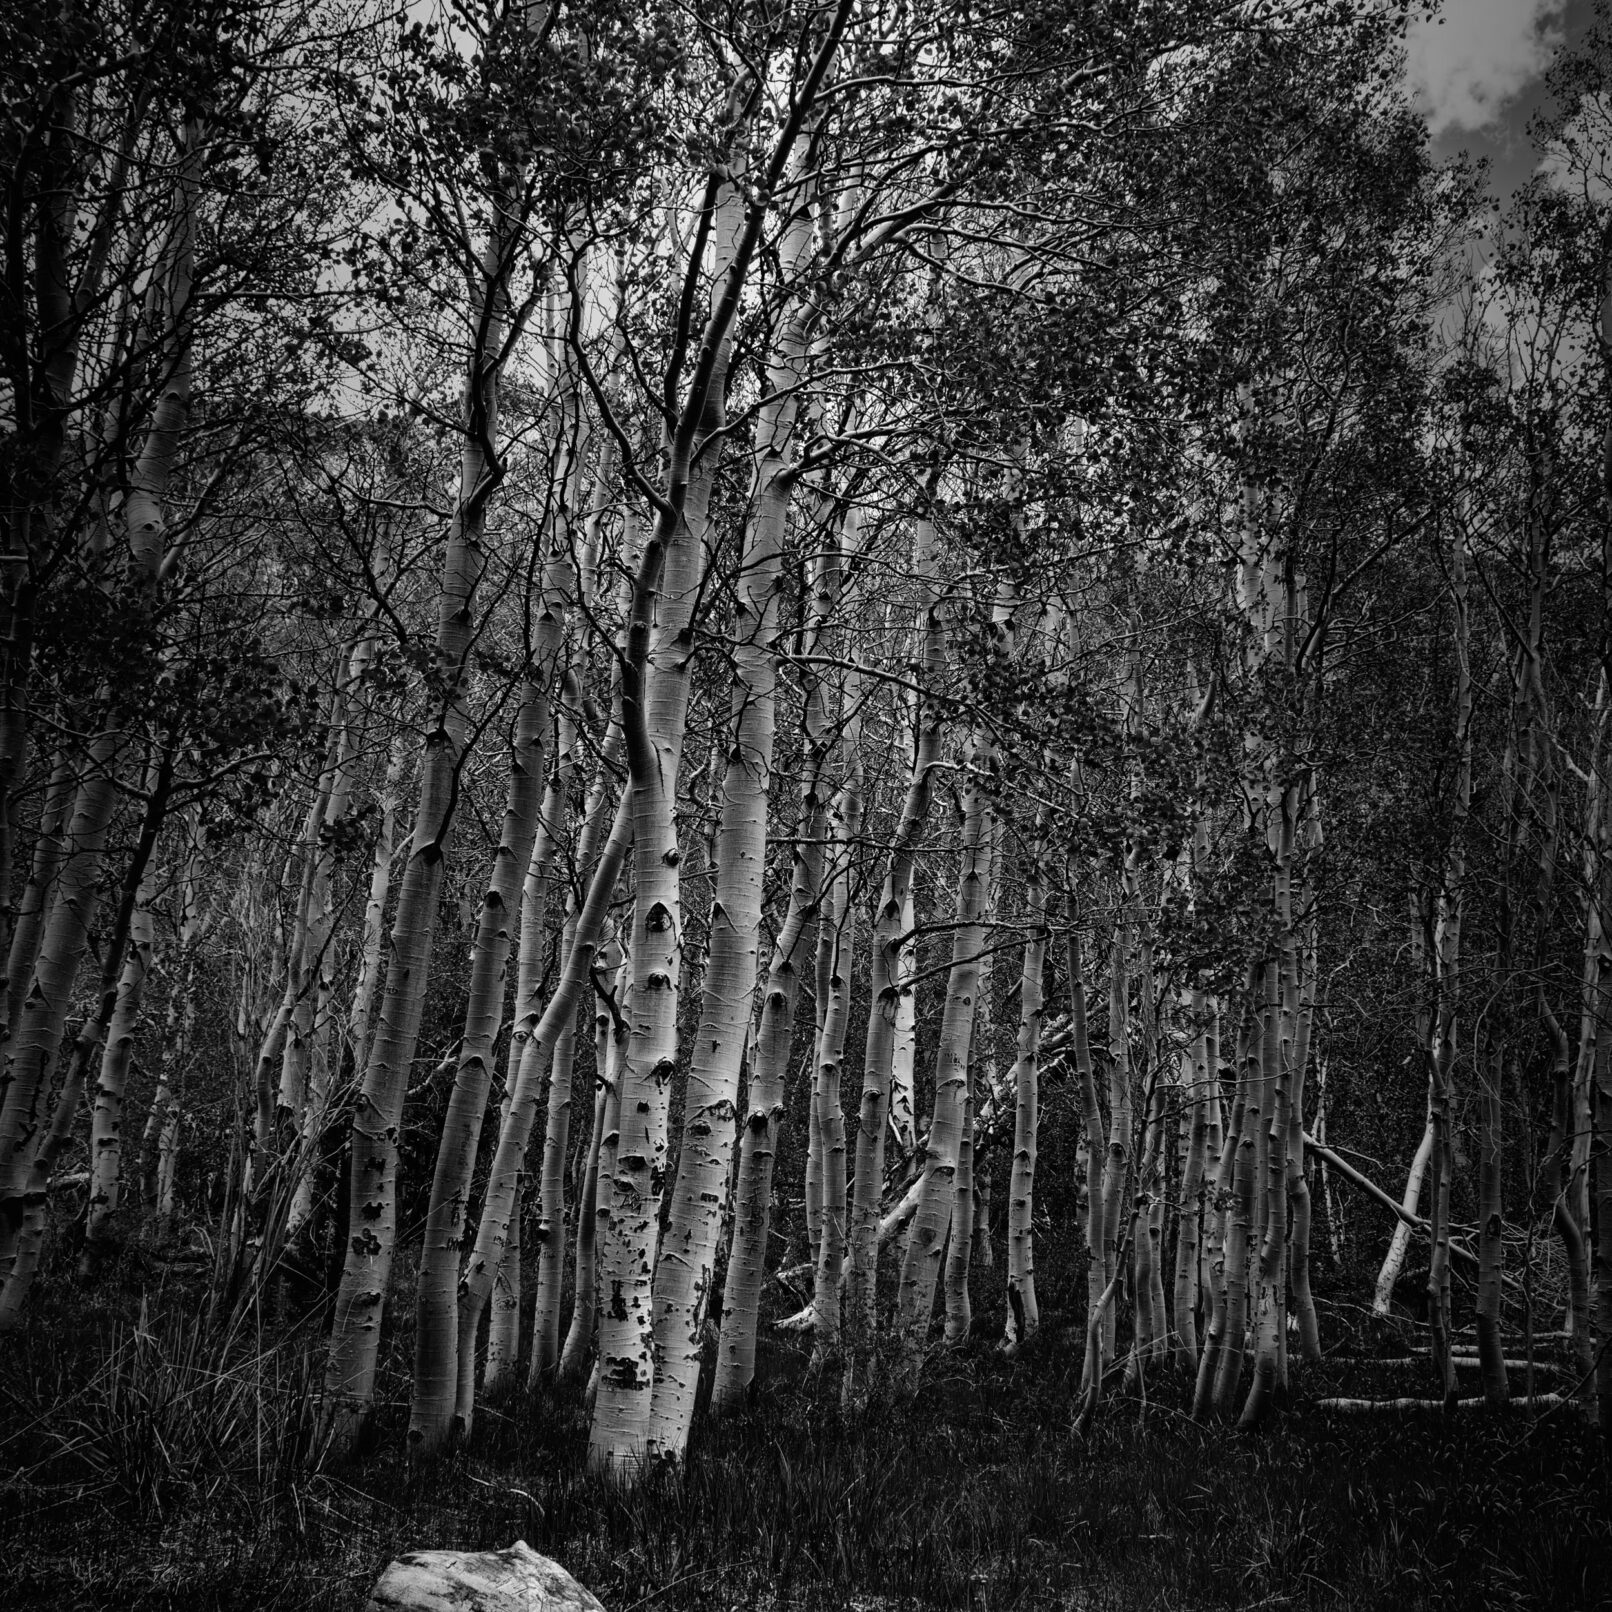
(374, 933)
(892, 951)
(937, 1197)
(50, 847)
(372, 1170)
(608, 1048)
(26, 1082)
(436, 1318)
(1218, 1226)
(106, 1125)
(1399, 1243)
(1023, 1314)
(839, 921)
(1092, 1118)
(1240, 1216)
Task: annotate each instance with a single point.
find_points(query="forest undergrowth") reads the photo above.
(147, 1461)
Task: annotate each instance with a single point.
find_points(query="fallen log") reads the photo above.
(1353, 1407)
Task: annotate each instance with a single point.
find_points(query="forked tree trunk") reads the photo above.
(655, 712)
(686, 1272)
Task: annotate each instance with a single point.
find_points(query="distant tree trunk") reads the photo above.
(1447, 960)
(1240, 1213)
(925, 1243)
(892, 948)
(1023, 1315)
(1196, 1078)
(106, 1125)
(1091, 1115)
(736, 1345)
(1216, 1330)
(839, 923)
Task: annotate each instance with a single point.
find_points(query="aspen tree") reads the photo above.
(1118, 1162)
(978, 1097)
(892, 934)
(654, 714)
(436, 1364)
(1446, 951)
(925, 1243)
(839, 926)
(904, 1049)
(609, 1043)
(600, 856)
(372, 1170)
(50, 847)
(1023, 1314)
(557, 1128)
(653, 728)
(1240, 1213)
(374, 928)
(1298, 1186)
(55, 1131)
(1218, 1319)
(1187, 1277)
(1600, 1096)
(437, 1367)
(106, 1127)
(35, 1047)
(684, 1275)
(771, 1042)
(1091, 1114)
(304, 1073)
(1399, 1243)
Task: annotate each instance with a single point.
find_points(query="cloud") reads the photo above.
(1463, 70)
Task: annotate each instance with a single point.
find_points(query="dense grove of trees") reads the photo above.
(651, 647)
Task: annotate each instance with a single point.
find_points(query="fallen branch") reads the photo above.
(1353, 1407)
(1350, 1173)
(1420, 1362)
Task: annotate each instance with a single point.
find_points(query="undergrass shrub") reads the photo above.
(157, 1469)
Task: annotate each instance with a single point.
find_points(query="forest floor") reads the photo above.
(154, 1467)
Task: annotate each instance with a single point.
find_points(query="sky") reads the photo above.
(1478, 74)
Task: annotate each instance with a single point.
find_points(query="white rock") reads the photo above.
(513, 1580)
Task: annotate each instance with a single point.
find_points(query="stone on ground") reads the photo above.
(513, 1580)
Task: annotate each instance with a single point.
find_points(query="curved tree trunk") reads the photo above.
(372, 1170)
